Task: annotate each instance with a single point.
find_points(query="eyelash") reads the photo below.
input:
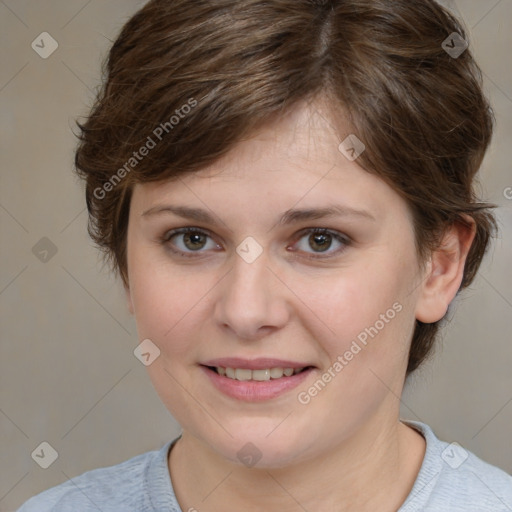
(166, 238)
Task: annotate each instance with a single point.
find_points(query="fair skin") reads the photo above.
(346, 448)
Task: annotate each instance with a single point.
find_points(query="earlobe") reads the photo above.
(445, 272)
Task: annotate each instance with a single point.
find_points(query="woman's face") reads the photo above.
(254, 282)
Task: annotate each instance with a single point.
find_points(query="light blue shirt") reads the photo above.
(451, 479)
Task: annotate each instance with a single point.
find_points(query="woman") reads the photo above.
(286, 190)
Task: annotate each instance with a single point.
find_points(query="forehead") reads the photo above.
(294, 161)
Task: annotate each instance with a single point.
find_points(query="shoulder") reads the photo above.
(453, 479)
(474, 484)
(106, 489)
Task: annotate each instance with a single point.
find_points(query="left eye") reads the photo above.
(322, 240)
(194, 239)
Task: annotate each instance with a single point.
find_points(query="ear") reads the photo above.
(445, 271)
(128, 298)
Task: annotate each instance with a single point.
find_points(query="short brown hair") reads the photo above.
(237, 64)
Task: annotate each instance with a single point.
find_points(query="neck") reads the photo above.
(374, 469)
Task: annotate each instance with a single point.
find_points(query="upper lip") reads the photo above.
(261, 363)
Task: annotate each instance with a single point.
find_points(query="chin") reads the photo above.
(260, 450)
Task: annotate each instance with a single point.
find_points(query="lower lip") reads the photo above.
(255, 391)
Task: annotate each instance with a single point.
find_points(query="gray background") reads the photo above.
(68, 375)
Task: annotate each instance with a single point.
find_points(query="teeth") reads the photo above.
(276, 373)
(243, 374)
(259, 375)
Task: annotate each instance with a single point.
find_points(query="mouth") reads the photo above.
(260, 375)
(266, 379)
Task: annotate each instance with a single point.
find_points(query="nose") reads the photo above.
(252, 300)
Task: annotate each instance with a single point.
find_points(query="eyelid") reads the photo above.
(340, 237)
(337, 235)
(183, 231)
(180, 231)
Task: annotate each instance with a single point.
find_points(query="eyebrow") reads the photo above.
(289, 217)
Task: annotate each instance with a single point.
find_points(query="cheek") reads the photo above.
(159, 302)
(370, 318)
(352, 299)
(170, 304)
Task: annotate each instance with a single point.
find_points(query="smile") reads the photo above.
(244, 374)
(256, 385)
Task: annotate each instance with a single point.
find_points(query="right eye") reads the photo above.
(192, 241)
